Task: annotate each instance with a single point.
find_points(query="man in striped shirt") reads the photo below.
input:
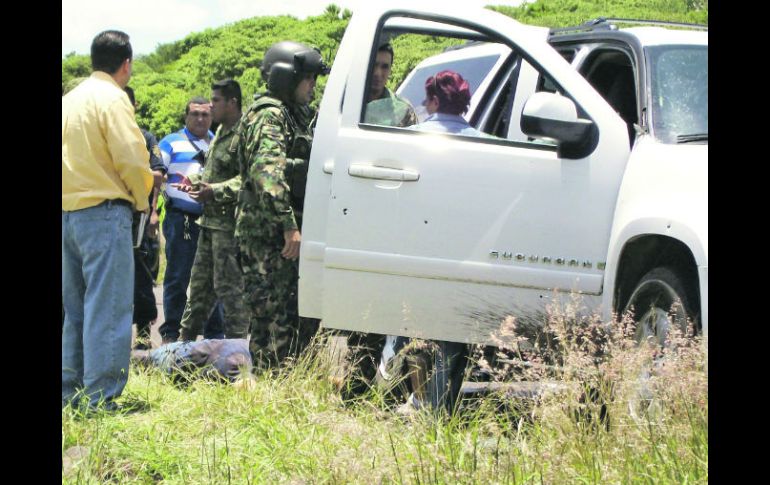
(183, 154)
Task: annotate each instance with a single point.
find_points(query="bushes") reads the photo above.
(177, 71)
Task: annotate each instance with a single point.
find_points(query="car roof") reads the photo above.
(464, 52)
(652, 36)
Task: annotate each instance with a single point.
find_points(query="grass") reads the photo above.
(291, 426)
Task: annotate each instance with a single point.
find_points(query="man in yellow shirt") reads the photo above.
(105, 177)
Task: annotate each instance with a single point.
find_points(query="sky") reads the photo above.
(152, 22)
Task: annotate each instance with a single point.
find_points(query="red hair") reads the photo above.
(453, 92)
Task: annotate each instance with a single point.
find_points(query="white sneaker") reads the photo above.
(410, 407)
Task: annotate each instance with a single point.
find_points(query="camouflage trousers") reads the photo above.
(216, 275)
(270, 280)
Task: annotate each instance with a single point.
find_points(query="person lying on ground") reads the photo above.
(225, 359)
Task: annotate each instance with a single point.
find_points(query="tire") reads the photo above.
(658, 303)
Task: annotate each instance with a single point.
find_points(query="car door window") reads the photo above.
(611, 72)
(404, 60)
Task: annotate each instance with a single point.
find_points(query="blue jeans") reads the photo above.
(97, 292)
(181, 235)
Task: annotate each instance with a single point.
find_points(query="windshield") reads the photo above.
(680, 93)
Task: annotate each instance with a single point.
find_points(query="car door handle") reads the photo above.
(368, 171)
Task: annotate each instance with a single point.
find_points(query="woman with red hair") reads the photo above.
(447, 97)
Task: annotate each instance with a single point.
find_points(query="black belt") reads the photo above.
(111, 202)
(188, 214)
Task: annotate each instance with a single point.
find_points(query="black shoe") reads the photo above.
(140, 357)
(141, 345)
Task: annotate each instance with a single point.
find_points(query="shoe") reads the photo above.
(141, 357)
(141, 345)
(411, 407)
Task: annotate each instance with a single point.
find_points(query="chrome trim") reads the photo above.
(534, 258)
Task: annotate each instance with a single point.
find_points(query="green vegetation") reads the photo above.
(165, 79)
(561, 13)
(293, 427)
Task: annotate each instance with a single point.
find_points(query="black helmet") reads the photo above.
(286, 62)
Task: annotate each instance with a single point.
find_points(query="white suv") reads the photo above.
(593, 181)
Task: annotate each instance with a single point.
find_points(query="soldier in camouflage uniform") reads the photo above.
(216, 273)
(275, 139)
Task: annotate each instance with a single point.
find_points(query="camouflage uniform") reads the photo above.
(390, 110)
(216, 273)
(274, 150)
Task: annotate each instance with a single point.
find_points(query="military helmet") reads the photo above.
(286, 62)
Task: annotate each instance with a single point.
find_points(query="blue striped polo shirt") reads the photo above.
(178, 151)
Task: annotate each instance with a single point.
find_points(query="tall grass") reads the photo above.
(291, 426)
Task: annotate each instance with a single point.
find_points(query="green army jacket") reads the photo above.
(390, 110)
(222, 172)
(265, 201)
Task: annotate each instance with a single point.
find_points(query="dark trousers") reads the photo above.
(448, 371)
(145, 308)
(181, 233)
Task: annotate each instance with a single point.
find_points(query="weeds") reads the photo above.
(624, 414)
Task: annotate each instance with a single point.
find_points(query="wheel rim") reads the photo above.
(661, 307)
(655, 323)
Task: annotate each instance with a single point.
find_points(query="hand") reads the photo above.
(182, 187)
(152, 227)
(202, 192)
(291, 247)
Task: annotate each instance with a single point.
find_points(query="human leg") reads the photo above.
(228, 284)
(444, 385)
(271, 288)
(202, 296)
(145, 308)
(102, 235)
(214, 328)
(181, 235)
(73, 292)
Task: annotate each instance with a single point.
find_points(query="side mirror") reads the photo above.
(552, 116)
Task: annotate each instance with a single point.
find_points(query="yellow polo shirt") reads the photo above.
(103, 153)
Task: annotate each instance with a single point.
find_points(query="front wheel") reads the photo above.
(660, 303)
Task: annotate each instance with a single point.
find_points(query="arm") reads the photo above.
(225, 191)
(154, 220)
(158, 172)
(267, 146)
(128, 151)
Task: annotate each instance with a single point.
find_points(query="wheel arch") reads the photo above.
(642, 253)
